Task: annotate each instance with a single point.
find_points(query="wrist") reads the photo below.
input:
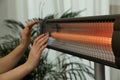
(23, 46)
(25, 69)
(29, 66)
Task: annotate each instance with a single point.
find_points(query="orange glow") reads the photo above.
(92, 34)
(82, 38)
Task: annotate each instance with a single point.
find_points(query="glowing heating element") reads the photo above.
(89, 35)
(92, 38)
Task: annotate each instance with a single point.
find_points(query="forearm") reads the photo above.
(8, 62)
(17, 73)
(32, 62)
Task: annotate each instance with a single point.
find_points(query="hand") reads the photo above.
(26, 34)
(38, 46)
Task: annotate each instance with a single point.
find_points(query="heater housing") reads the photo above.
(94, 38)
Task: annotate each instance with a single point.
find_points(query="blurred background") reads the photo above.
(22, 10)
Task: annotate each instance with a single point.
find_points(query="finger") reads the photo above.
(36, 40)
(42, 41)
(43, 47)
(30, 25)
(28, 28)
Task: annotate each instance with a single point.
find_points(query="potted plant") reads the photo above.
(62, 69)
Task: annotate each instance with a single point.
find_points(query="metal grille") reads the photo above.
(93, 38)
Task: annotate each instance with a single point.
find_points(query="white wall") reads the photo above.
(6, 11)
(3, 9)
(12, 9)
(34, 8)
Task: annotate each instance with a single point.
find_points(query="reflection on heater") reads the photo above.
(95, 35)
(104, 29)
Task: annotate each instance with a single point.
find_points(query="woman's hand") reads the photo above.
(26, 34)
(38, 46)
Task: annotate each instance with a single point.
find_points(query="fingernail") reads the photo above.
(47, 36)
(43, 34)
